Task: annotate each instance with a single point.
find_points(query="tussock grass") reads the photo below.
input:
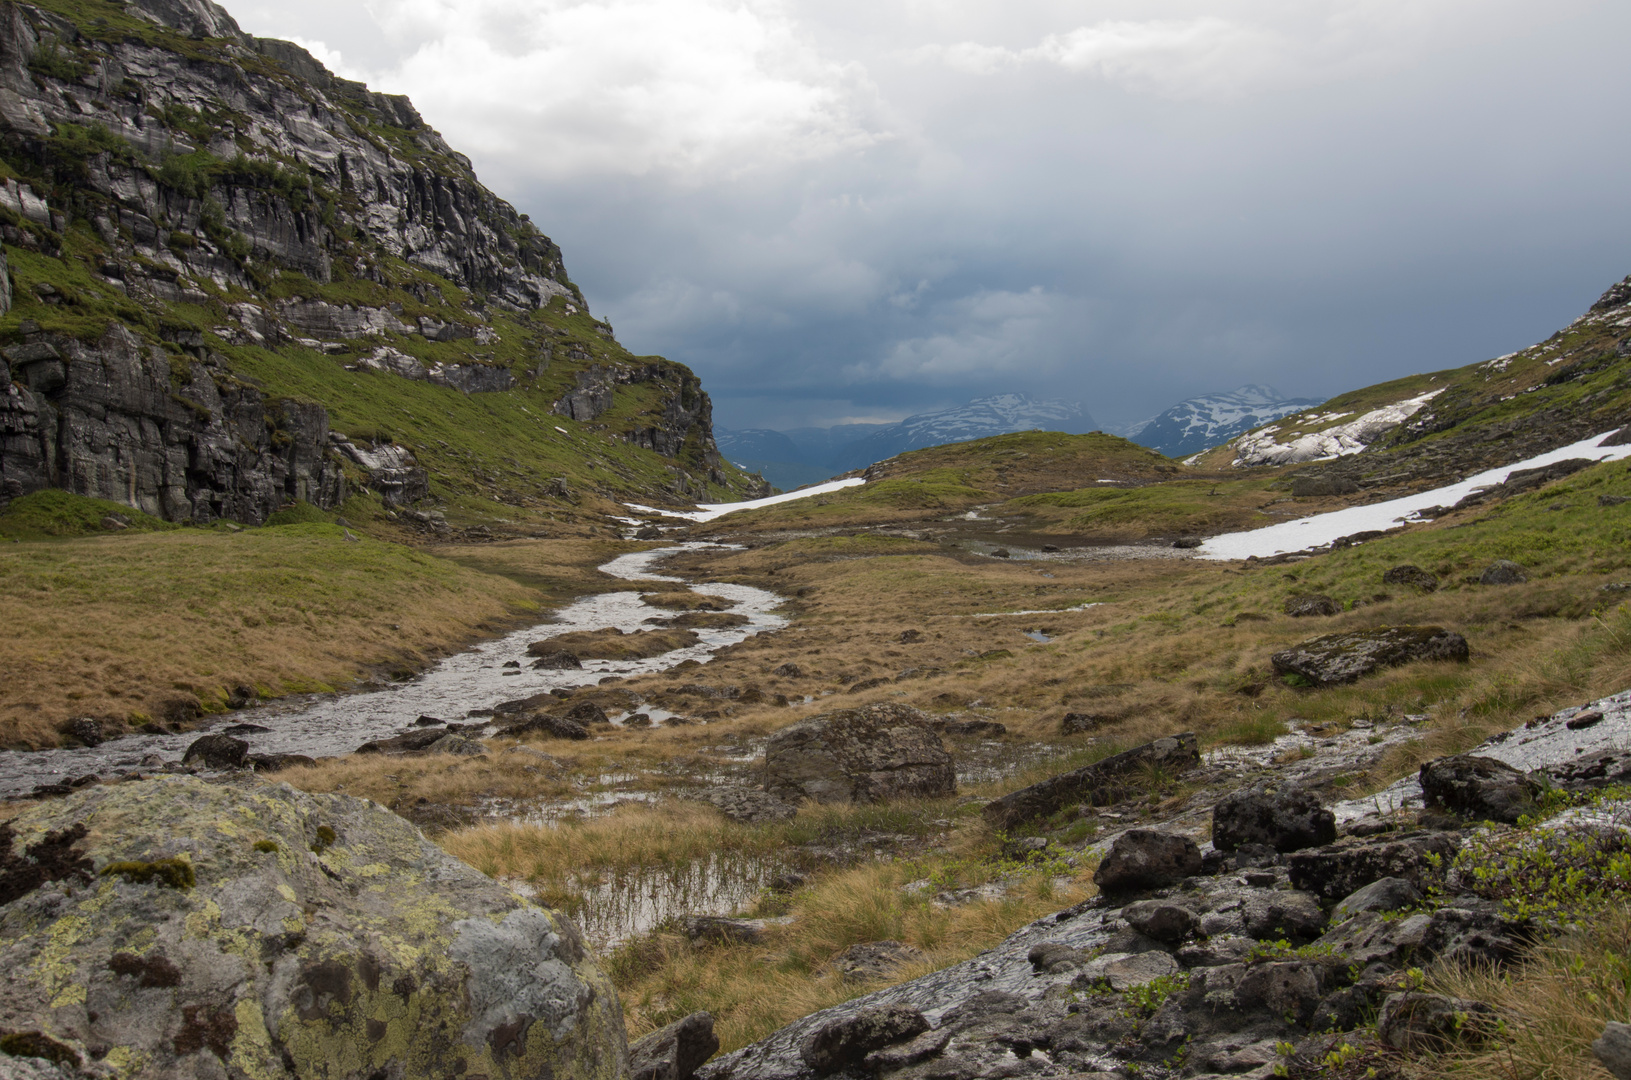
(1552, 1006)
(163, 625)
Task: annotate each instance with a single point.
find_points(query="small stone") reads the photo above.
(1161, 920)
(1503, 572)
(1300, 607)
(1613, 1049)
(216, 752)
(558, 661)
(1584, 720)
(875, 959)
(789, 670)
(1388, 894)
(674, 1052)
(1075, 723)
(1413, 576)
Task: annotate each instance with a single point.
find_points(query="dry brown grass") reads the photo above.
(159, 626)
(1552, 1006)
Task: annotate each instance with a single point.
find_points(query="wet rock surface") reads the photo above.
(248, 928)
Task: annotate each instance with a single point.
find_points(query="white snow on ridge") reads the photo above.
(708, 512)
(1261, 448)
(1321, 529)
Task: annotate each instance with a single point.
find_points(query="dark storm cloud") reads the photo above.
(845, 211)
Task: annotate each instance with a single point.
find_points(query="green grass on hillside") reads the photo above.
(53, 513)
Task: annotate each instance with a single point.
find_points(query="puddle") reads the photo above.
(620, 905)
(324, 725)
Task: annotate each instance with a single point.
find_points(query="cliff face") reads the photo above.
(219, 250)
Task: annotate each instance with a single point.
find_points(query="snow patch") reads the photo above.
(1321, 529)
(708, 512)
(1261, 447)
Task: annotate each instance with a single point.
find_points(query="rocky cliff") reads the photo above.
(224, 262)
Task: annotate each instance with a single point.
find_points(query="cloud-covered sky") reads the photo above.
(858, 209)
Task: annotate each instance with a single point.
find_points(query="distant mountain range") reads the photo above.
(800, 456)
(1203, 422)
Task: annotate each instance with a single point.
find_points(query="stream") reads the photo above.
(326, 725)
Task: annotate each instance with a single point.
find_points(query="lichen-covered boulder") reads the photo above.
(178, 928)
(867, 755)
(1342, 658)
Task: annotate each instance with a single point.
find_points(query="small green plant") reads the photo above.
(326, 838)
(1146, 999)
(172, 872)
(266, 847)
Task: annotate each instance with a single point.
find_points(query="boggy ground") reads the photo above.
(1168, 646)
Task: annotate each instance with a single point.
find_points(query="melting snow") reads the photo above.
(1260, 447)
(709, 512)
(1321, 529)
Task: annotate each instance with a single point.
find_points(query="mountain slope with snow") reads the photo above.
(981, 418)
(1205, 421)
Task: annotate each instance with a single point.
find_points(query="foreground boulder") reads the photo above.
(1284, 817)
(248, 929)
(844, 1044)
(674, 1052)
(1100, 784)
(217, 752)
(1478, 788)
(1342, 658)
(865, 755)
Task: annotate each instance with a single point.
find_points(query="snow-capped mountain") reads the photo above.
(1201, 422)
(805, 455)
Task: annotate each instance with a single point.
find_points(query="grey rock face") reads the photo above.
(845, 1043)
(1284, 817)
(1478, 788)
(1503, 572)
(1418, 1021)
(1099, 784)
(1414, 576)
(1299, 607)
(1613, 1049)
(1147, 859)
(106, 421)
(1387, 894)
(674, 1052)
(204, 935)
(1343, 658)
(864, 755)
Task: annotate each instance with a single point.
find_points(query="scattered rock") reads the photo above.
(428, 721)
(86, 731)
(789, 670)
(845, 1043)
(1162, 920)
(243, 729)
(456, 744)
(1129, 972)
(556, 727)
(1613, 1049)
(718, 928)
(1343, 658)
(1183, 543)
(1147, 859)
(871, 754)
(651, 532)
(1503, 572)
(875, 959)
(1612, 500)
(560, 660)
(1413, 576)
(1284, 817)
(1417, 1021)
(674, 1052)
(1581, 721)
(969, 727)
(1478, 788)
(1338, 870)
(268, 763)
(910, 637)
(1299, 607)
(587, 712)
(999, 553)
(1099, 784)
(741, 803)
(1076, 723)
(1273, 914)
(216, 752)
(385, 925)
(1387, 894)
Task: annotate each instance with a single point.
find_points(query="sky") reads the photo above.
(846, 211)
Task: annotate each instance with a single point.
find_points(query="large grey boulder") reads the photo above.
(1284, 817)
(1147, 859)
(1479, 788)
(866, 755)
(249, 929)
(1101, 783)
(1343, 658)
(1503, 572)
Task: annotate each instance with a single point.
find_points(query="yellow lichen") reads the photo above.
(252, 1045)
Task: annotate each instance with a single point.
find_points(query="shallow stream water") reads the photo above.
(325, 725)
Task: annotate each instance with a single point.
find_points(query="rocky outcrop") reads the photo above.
(1478, 788)
(1097, 784)
(1147, 859)
(249, 929)
(169, 434)
(1284, 817)
(1344, 658)
(865, 755)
